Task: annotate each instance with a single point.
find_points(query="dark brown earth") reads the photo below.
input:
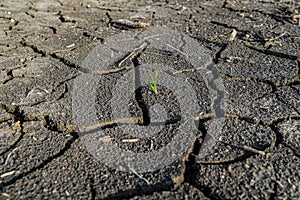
(255, 46)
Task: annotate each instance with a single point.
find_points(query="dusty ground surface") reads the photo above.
(256, 48)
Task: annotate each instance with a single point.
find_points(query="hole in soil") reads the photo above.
(142, 104)
(145, 99)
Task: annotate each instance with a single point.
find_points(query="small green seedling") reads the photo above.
(153, 85)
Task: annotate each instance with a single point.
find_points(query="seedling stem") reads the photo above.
(153, 85)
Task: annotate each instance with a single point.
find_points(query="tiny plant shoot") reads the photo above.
(153, 85)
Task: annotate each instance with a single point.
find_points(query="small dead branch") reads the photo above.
(130, 140)
(8, 156)
(127, 24)
(120, 66)
(253, 150)
(138, 175)
(223, 161)
(178, 50)
(7, 174)
(233, 35)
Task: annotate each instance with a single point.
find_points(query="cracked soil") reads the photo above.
(255, 46)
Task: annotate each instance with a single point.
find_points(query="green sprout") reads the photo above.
(153, 85)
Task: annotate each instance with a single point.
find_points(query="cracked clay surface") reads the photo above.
(255, 45)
